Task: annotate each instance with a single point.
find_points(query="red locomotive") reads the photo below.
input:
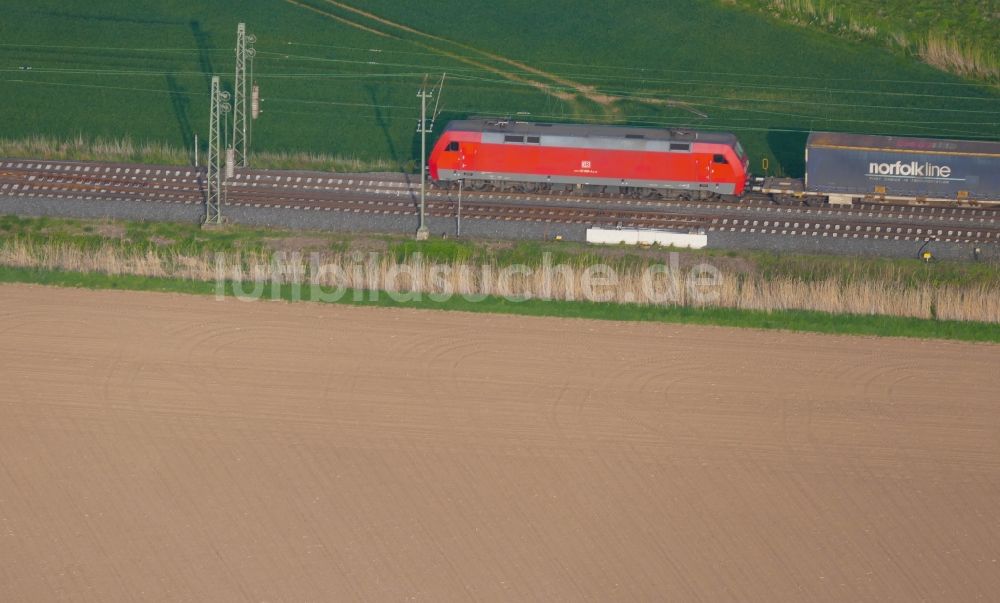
(625, 160)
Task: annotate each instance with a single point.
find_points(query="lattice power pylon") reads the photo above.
(244, 55)
(213, 182)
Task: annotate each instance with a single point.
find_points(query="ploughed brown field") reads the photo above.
(166, 447)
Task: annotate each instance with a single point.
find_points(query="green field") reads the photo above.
(339, 82)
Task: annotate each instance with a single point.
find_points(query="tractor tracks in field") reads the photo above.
(339, 19)
(554, 85)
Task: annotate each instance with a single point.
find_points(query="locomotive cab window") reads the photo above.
(719, 159)
(452, 146)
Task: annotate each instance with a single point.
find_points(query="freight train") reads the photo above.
(695, 165)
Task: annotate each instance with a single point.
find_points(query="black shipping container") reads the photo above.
(923, 168)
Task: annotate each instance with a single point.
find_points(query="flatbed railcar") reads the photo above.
(846, 168)
(646, 162)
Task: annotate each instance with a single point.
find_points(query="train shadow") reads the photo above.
(382, 121)
(788, 149)
(180, 103)
(203, 40)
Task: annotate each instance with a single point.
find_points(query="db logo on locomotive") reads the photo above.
(585, 168)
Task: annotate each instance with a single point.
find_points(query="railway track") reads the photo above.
(371, 201)
(397, 195)
(277, 183)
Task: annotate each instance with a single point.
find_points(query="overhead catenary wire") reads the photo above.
(452, 67)
(724, 122)
(468, 76)
(589, 66)
(619, 68)
(631, 94)
(591, 77)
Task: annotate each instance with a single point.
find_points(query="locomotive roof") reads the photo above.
(902, 144)
(589, 130)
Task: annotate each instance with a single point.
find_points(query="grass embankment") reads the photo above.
(958, 36)
(125, 150)
(342, 83)
(793, 320)
(831, 295)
